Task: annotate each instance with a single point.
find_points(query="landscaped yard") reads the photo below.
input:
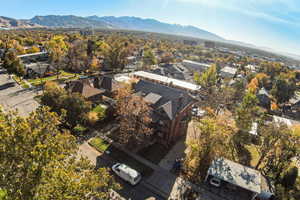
(99, 144)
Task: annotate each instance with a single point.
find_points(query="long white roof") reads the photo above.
(167, 80)
(33, 54)
(196, 63)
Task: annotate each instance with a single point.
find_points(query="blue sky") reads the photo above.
(265, 23)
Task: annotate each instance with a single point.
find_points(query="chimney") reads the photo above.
(180, 101)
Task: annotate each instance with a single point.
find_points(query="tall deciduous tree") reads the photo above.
(74, 107)
(115, 52)
(212, 139)
(57, 49)
(134, 115)
(209, 78)
(247, 112)
(13, 64)
(38, 161)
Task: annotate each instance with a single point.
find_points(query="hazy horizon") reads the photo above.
(272, 24)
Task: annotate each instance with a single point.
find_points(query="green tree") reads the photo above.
(72, 105)
(290, 177)
(209, 78)
(13, 64)
(283, 89)
(247, 111)
(149, 58)
(38, 161)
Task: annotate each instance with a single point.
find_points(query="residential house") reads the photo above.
(237, 182)
(252, 68)
(228, 72)
(195, 66)
(169, 70)
(86, 89)
(35, 70)
(106, 83)
(171, 109)
(264, 98)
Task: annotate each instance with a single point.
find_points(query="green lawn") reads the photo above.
(254, 154)
(99, 144)
(63, 76)
(20, 81)
(2, 194)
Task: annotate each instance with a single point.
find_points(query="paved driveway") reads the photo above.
(15, 97)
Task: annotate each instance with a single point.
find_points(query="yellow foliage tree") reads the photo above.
(253, 85)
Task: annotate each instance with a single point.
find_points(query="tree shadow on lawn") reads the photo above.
(154, 153)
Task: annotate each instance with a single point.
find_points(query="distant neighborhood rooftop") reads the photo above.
(33, 54)
(229, 70)
(196, 63)
(167, 80)
(236, 174)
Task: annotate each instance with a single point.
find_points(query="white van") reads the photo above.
(128, 174)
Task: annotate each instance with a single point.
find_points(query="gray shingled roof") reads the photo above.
(172, 100)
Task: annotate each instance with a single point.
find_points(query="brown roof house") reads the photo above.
(86, 89)
(171, 108)
(106, 83)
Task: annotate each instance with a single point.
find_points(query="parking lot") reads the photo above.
(13, 96)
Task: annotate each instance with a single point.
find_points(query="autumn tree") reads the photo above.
(134, 115)
(76, 57)
(212, 138)
(57, 49)
(38, 161)
(115, 53)
(33, 49)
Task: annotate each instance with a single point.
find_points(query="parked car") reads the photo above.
(126, 173)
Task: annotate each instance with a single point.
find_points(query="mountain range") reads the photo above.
(110, 22)
(126, 23)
